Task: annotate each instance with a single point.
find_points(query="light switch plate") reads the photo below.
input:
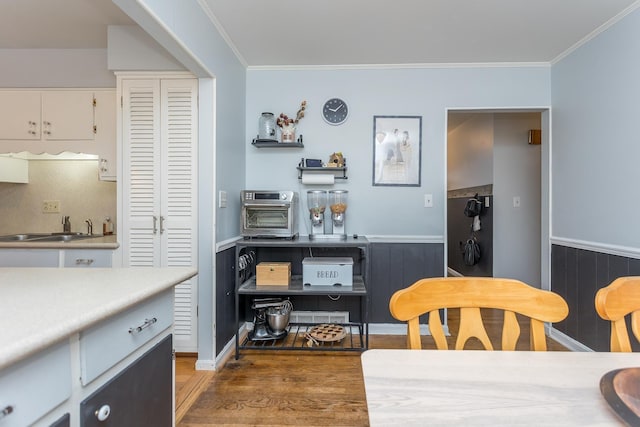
(428, 200)
(222, 199)
(516, 201)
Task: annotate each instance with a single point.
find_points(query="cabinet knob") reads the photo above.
(103, 413)
(81, 261)
(6, 411)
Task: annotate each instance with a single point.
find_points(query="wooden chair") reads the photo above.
(470, 294)
(620, 298)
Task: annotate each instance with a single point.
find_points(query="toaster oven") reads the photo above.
(268, 214)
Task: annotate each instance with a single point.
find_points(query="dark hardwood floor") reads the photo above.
(296, 388)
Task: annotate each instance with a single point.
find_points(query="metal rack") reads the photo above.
(357, 337)
(296, 339)
(342, 169)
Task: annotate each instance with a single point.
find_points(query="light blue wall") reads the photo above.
(427, 92)
(596, 149)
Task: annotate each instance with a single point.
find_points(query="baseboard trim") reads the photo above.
(399, 329)
(566, 340)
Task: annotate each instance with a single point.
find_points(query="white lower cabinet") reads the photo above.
(107, 343)
(29, 258)
(35, 386)
(119, 372)
(69, 258)
(87, 258)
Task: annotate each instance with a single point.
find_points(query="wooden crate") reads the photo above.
(273, 274)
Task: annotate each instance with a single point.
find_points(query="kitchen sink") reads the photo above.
(45, 237)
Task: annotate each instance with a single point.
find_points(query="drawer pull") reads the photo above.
(146, 324)
(83, 261)
(103, 413)
(6, 411)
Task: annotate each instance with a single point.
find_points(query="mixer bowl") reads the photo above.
(278, 321)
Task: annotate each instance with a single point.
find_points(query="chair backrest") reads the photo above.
(470, 294)
(613, 303)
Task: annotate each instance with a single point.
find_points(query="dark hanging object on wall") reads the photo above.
(471, 251)
(473, 207)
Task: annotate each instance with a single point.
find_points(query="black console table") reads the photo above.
(280, 250)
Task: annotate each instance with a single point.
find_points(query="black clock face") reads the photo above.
(335, 111)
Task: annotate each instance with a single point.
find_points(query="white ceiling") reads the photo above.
(342, 32)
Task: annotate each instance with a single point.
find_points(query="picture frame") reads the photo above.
(397, 151)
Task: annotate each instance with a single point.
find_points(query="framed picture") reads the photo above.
(397, 146)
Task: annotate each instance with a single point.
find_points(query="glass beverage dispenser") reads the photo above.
(338, 206)
(317, 202)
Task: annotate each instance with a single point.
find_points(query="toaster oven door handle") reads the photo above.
(269, 205)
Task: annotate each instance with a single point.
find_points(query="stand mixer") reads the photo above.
(271, 318)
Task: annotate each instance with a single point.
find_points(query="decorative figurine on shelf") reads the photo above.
(287, 125)
(336, 160)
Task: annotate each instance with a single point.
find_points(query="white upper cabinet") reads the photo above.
(53, 115)
(68, 116)
(20, 115)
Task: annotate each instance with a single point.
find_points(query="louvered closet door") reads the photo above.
(141, 172)
(179, 199)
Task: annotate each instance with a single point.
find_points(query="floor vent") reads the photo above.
(319, 317)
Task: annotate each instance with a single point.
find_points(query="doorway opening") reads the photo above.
(490, 156)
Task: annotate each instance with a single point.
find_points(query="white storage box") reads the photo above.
(327, 271)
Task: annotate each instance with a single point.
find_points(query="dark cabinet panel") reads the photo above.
(64, 421)
(225, 297)
(141, 395)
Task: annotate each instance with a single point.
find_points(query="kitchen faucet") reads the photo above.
(66, 224)
(89, 227)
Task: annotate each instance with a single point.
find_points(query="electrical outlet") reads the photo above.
(222, 199)
(428, 200)
(51, 206)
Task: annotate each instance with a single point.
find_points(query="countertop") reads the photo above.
(41, 306)
(98, 242)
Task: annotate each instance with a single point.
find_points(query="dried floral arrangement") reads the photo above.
(285, 121)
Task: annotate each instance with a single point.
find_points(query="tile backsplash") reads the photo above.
(74, 183)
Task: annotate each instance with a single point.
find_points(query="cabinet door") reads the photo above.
(141, 172)
(68, 115)
(179, 237)
(141, 395)
(19, 115)
(106, 147)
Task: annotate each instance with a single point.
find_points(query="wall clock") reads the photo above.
(335, 111)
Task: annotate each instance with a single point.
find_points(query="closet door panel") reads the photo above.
(141, 164)
(179, 199)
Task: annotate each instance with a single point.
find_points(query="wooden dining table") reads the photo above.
(496, 388)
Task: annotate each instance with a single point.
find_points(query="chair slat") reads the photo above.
(510, 331)
(471, 325)
(435, 328)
